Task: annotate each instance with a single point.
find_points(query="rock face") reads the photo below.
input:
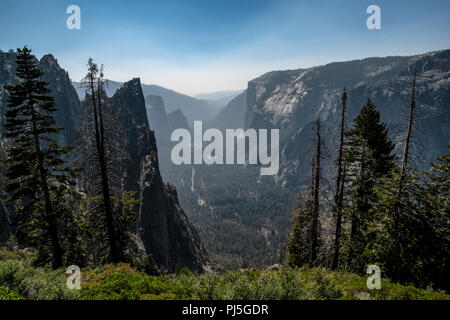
(291, 100)
(66, 98)
(157, 118)
(177, 120)
(7, 75)
(193, 109)
(233, 115)
(165, 230)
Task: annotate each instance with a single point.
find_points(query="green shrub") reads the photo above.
(123, 283)
(6, 294)
(20, 280)
(35, 283)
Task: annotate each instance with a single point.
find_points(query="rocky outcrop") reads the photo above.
(164, 229)
(193, 109)
(159, 123)
(177, 120)
(7, 76)
(68, 114)
(290, 100)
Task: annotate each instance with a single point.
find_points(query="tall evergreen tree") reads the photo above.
(438, 202)
(404, 218)
(35, 169)
(411, 235)
(369, 158)
(299, 246)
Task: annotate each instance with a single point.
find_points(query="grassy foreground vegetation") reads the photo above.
(19, 279)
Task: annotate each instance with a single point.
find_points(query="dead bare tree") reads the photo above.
(339, 194)
(316, 193)
(94, 84)
(411, 121)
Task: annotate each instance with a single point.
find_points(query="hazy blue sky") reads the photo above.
(203, 46)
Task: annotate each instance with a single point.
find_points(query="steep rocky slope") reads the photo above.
(291, 100)
(158, 120)
(177, 120)
(165, 230)
(66, 98)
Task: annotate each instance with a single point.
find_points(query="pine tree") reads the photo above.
(437, 199)
(369, 158)
(402, 217)
(299, 247)
(34, 166)
(411, 235)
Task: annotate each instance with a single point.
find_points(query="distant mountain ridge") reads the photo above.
(219, 98)
(193, 109)
(218, 95)
(232, 115)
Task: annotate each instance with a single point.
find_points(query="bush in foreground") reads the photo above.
(17, 274)
(20, 280)
(6, 294)
(122, 282)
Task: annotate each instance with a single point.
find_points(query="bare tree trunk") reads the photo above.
(339, 196)
(316, 190)
(412, 107)
(99, 137)
(99, 99)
